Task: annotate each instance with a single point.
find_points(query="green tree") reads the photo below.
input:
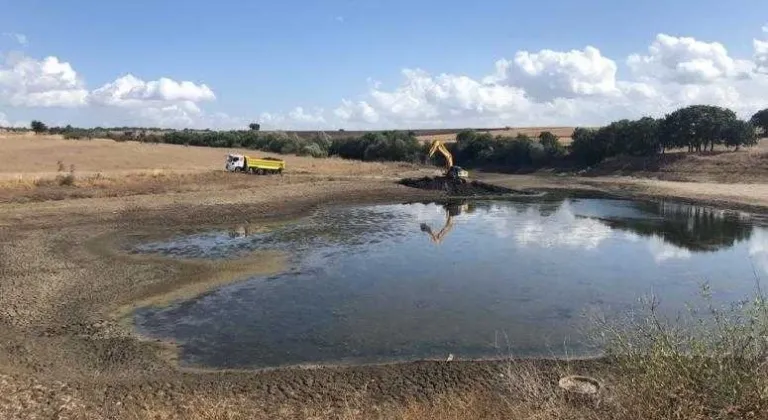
(38, 127)
(740, 133)
(254, 126)
(585, 147)
(696, 127)
(760, 121)
(642, 137)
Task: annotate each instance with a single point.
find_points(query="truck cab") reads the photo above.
(235, 163)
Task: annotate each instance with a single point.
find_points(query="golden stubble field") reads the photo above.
(564, 133)
(29, 157)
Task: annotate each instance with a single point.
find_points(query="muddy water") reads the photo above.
(472, 279)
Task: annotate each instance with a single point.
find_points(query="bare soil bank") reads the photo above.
(64, 351)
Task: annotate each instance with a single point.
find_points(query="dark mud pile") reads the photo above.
(463, 189)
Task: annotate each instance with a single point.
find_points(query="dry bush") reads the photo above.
(709, 363)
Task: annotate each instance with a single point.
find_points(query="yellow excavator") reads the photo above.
(452, 171)
(451, 210)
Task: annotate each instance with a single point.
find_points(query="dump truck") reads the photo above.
(254, 165)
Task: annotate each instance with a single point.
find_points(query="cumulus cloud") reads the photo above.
(546, 87)
(48, 82)
(562, 229)
(576, 87)
(426, 100)
(130, 91)
(758, 248)
(548, 74)
(761, 53)
(664, 251)
(297, 118)
(688, 61)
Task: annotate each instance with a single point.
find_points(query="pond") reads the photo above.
(474, 279)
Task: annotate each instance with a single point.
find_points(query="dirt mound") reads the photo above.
(457, 188)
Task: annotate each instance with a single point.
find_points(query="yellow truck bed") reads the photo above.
(264, 164)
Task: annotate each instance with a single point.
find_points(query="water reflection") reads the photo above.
(367, 286)
(451, 210)
(693, 228)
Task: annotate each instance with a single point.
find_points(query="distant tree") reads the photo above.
(585, 148)
(547, 139)
(38, 127)
(740, 133)
(254, 126)
(696, 127)
(760, 121)
(642, 137)
(551, 144)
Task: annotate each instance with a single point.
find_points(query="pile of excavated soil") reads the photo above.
(455, 188)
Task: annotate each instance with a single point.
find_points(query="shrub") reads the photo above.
(381, 146)
(709, 363)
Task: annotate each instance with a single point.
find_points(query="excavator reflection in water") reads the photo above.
(246, 229)
(451, 210)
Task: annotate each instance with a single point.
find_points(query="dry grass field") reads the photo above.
(31, 156)
(564, 133)
(42, 168)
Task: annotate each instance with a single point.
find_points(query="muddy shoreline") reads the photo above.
(64, 288)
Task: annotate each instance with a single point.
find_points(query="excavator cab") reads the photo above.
(458, 173)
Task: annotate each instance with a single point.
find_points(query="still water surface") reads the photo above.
(473, 279)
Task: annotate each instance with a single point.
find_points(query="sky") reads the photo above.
(376, 64)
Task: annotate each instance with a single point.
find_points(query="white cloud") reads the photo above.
(571, 87)
(5, 121)
(562, 229)
(21, 39)
(48, 82)
(426, 100)
(297, 118)
(298, 114)
(546, 87)
(548, 74)
(130, 91)
(758, 248)
(688, 61)
(663, 251)
(340, 19)
(761, 53)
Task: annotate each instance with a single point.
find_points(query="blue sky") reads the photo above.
(271, 57)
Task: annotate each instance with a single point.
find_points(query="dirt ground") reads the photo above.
(67, 351)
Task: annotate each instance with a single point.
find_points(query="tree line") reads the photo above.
(694, 128)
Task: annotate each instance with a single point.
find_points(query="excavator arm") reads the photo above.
(439, 236)
(437, 145)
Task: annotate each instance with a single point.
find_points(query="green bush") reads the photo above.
(380, 146)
